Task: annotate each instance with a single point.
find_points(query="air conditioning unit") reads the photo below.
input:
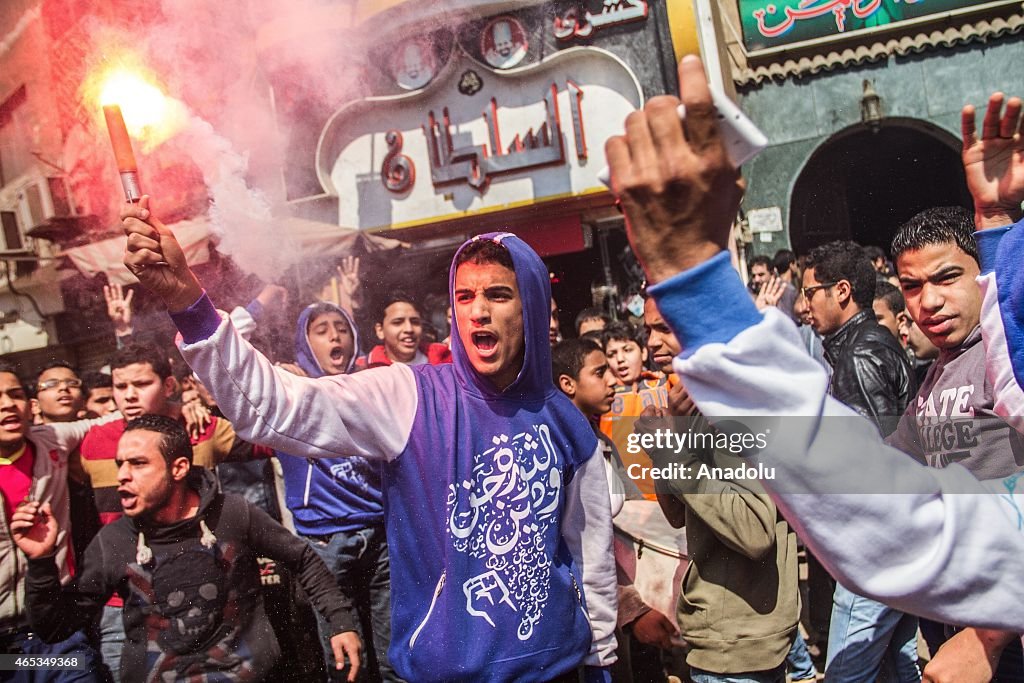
(29, 205)
(43, 199)
(12, 235)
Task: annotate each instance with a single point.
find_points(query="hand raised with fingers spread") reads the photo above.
(348, 274)
(34, 529)
(678, 191)
(154, 256)
(119, 308)
(994, 163)
(770, 293)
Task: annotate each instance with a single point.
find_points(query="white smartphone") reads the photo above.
(742, 139)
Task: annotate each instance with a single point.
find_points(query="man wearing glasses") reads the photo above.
(58, 394)
(872, 375)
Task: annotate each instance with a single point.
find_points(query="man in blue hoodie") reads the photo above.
(337, 503)
(497, 514)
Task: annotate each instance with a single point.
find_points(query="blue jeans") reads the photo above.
(777, 675)
(112, 639)
(801, 666)
(863, 632)
(26, 643)
(359, 562)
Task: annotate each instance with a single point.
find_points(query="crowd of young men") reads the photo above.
(453, 503)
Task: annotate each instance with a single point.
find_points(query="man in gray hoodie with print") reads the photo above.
(952, 417)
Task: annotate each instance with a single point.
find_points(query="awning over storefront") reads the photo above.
(315, 240)
(979, 31)
(106, 256)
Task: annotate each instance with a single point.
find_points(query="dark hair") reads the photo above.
(594, 336)
(592, 313)
(50, 365)
(874, 252)
(11, 368)
(95, 379)
(142, 353)
(174, 441)
(619, 330)
(394, 297)
(891, 295)
(482, 251)
(318, 309)
(765, 261)
(784, 258)
(568, 356)
(845, 260)
(942, 225)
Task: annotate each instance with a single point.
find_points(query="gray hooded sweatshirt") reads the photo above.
(952, 418)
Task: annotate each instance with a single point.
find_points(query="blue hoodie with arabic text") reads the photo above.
(483, 586)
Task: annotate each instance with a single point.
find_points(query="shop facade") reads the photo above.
(861, 104)
(492, 118)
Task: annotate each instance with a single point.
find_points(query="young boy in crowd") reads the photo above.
(890, 309)
(636, 388)
(399, 328)
(581, 371)
(337, 504)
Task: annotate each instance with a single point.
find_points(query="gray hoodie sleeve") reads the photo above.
(587, 529)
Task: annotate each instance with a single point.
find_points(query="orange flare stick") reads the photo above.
(119, 138)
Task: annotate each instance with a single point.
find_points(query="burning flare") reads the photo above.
(150, 116)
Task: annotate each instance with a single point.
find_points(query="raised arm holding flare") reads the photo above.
(954, 558)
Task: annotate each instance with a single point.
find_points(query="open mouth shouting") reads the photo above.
(129, 500)
(485, 343)
(11, 423)
(338, 355)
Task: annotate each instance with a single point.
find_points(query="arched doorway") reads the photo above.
(862, 184)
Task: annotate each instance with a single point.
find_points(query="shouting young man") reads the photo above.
(183, 560)
(498, 517)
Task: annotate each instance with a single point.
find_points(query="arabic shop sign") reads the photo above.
(449, 151)
(578, 21)
(774, 23)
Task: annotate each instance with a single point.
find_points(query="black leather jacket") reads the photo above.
(870, 371)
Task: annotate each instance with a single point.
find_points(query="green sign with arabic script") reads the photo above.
(775, 23)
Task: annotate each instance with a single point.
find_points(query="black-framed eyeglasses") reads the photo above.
(54, 383)
(808, 292)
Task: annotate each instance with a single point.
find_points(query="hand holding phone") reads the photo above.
(742, 139)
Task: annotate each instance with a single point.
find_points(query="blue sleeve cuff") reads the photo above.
(988, 243)
(706, 305)
(197, 322)
(255, 309)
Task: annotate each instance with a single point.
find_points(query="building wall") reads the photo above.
(799, 114)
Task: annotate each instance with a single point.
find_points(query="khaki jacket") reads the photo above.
(739, 604)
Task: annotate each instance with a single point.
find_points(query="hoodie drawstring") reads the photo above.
(207, 539)
(143, 554)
